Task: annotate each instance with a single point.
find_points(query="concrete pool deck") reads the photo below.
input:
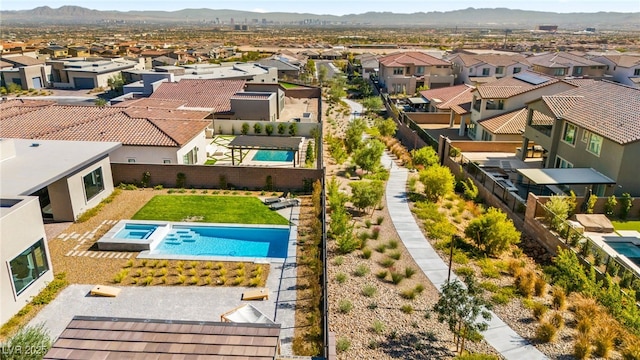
(182, 302)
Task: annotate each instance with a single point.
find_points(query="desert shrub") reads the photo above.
(603, 340)
(342, 344)
(525, 283)
(387, 263)
(368, 290)
(341, 277)
(408, 294)
(470, 190)
(610, 205)
(546, 332)
(345, 306)
(409, 272)
(488, 268)
(540, 286)
(378, 327)
(493, 232)
(558, 298)
(407, 309)
(582, 348)
(464, 271)
(361, 270)
(395, 255)
(396, 277)
(366, 253)
(539, 310)
(625, 206)
(382, 274)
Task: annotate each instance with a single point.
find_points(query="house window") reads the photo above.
(585, 135)
(577, 71)
(569, 134)
(28, 266)
(558, 72)
(398, 88)
(476, 103)
(131, 160)
(500, 70)
(595, 144)
(93, 183)
(166, 161)
(517, 70)
(398, 71)
(494, 104)
(485, 71)
(420, 70)
(191, 157)
(471, 129)
(562, 163)
(486, 136)
(636, 72)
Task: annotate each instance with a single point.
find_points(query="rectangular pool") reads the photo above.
(628, 249)
(273, 155)
(170, 240)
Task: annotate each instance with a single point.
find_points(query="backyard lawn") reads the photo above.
(212, 209)
(626, 225)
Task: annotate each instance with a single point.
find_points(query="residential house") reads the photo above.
(25, 71)
(593, 126)
(563, 64)
(55, 51)
(405, 72)
(286, 70)
(469, 67)
(163, 61)
(79, 51)
(505, 127)
(623, 68)
(509, 94)
(369, 65)
(455, 100)
(57, 180)
(150, 133)
(81, 73)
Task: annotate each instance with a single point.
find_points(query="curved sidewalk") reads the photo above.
(499, 335)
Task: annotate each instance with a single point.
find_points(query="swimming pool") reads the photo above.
(628, 249)
(171, 240)
(273, 155)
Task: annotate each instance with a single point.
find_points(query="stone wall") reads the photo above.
(208, 177)
(431, 118)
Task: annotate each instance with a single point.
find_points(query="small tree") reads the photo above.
(438, 181)
(610, 205)
(257, 128)
(366, 194)
(293, 129)
(353, 135)
(268, 129)
(310, 155)
(100, 102)
(282, 128)
(116, 83)
(368, 156)
(493, 232)
(470, 190)
(559, 206)
(626, 201)
(463, 309)
(424, 156)
(591, 203)
(387, 127)
(245, 129)
(372, 103)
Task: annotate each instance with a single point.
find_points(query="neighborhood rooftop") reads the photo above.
(415, 58)
(201, 94)
(511, 86)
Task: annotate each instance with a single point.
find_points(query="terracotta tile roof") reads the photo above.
(491, 59)
(624, 60)
(580, 82)
(108, 338)
(415, 58)
(449, 96)
(153, 103)
(511, 123)
(561, 60)
(204, 94)
(130, 126)
(510, 86)
(18, 106)
(604, 108)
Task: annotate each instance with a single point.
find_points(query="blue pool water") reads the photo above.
(627, 249)
(136, 231)
(273, 155)
(224, 241)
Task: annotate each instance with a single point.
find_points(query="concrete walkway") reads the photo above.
(499, 335)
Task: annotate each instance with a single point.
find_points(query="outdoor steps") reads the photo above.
(177, 237)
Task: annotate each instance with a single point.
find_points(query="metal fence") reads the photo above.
(325, 278)
(402, 118)
(498, 187)
(590, 253)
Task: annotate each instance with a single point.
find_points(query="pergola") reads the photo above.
(566, 176)
(246, 142)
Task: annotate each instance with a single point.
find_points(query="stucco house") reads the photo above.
(563, 64)
(25, 71)
(593, 126)
(509, 94)
(469, 67)
(81, 73)
(623, 68)
(54, 180)
(150, 133)
(405, 72)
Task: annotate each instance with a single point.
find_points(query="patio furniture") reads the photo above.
(103, 290)
(283, 204)
(272, 200)
(595, 222)
(245, 313)
(256, 294)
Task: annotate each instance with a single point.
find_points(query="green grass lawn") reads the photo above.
(213, 209)
(626, 225)
(289, 85)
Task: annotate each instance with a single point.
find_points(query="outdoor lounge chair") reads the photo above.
(256, 294)
(272, 200)
(283, 204)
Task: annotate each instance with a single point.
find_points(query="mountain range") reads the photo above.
(471, 17)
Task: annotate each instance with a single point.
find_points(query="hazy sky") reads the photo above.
(336, 7)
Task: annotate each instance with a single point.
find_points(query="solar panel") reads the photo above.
(530, 78)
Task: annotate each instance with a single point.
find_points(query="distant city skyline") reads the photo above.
(337, 7)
